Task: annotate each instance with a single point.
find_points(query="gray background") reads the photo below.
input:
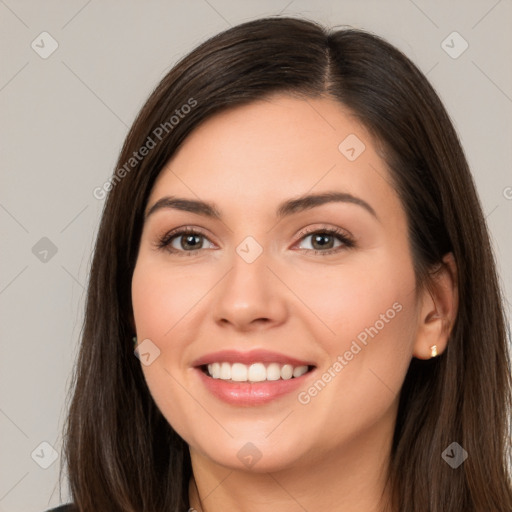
(64, 118)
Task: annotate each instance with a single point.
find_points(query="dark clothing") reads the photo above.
(63, 508)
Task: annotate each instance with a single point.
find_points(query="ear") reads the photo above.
(438, 310)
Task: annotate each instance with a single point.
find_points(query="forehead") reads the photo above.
(273, 149)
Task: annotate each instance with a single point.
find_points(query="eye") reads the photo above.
(183, 241)
(323, 240)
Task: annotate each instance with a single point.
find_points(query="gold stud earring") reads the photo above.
(433, 351)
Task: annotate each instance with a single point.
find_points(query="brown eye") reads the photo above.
(183, 241)
(188, 241)
(323, 241)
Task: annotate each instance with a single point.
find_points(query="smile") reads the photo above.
(251, 378)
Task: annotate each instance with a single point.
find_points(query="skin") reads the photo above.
(332, 452)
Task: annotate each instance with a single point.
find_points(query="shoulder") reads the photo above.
(63, 508)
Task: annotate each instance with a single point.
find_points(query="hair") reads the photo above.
(121, 453)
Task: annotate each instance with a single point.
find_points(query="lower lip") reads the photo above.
(251, 393)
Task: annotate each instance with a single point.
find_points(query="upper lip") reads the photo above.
(250, 357)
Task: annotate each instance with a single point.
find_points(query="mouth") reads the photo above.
(251, 378)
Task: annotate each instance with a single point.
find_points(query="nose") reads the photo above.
(250, 297)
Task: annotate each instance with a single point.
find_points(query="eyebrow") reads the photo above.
(285, 209)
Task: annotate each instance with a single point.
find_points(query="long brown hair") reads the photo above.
(121, 453)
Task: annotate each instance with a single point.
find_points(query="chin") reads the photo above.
(251, 459)
(257, 453)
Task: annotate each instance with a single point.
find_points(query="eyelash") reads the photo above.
(348, 243)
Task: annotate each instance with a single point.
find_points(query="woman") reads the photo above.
(293, 240)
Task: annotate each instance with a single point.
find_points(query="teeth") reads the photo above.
(225, 371)
(239, 372)
(214, 369)
(299, 370)
(287, 372)
(257, 372)
(273, 371)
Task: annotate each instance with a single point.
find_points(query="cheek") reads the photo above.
(368, 314)
(366, 298)
(161, 297)
(380, 318)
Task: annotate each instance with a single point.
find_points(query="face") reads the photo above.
(279, 329)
